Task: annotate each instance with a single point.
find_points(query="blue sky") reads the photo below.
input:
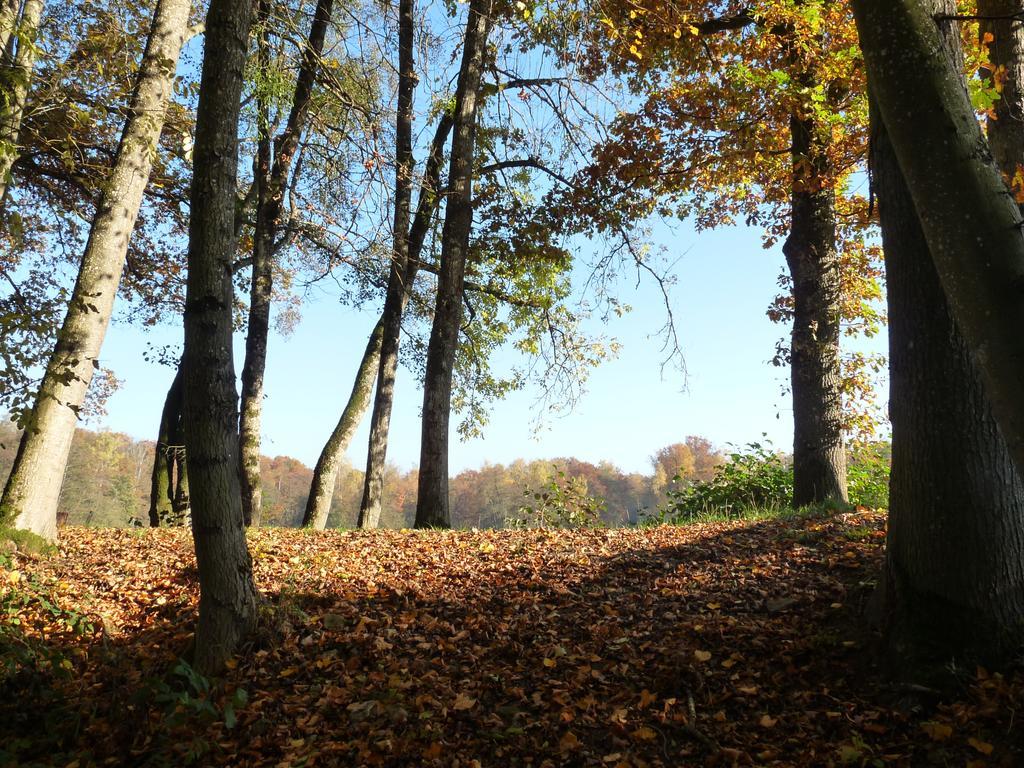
(731, 394)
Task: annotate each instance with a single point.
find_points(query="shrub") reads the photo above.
(562, 503)
(755, 477)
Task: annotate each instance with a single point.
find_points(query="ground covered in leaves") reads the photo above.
(718, 644)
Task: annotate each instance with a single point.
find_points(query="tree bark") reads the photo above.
(432, 509)
(161, 492)
(953, 584)
(1006, 55)
(398, 283)
(33, 488)
(969, 218)
(819, 455)
(17, 81)
(228, 599)
(325, 474)
(272, 182)
(9, 12)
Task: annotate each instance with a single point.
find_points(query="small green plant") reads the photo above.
(867, 475)
(756, 477)
(562, 503)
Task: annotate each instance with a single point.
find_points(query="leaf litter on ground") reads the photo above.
(737, 643)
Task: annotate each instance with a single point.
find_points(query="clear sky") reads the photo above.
(731, 393)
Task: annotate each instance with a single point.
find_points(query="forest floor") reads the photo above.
(719, 644)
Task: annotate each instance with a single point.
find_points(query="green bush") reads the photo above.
(562, 503)
(754, 477)
(759, 478)
(867, 474)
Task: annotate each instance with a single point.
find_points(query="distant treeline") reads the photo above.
(107, 483)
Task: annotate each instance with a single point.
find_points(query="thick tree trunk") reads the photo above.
(161, 492)
(432, 499)
(271, 183)
(17, 78)
(1006, 56)
(954, 574)
(227, 603)
(318, 505)
(953, 586)
(398, 285)
(33, 488)
(967, 214)
(819, 456)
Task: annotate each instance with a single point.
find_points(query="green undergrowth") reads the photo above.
(17, 540)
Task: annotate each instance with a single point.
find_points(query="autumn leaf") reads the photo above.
(463, 703)
(702, 656)
(981, 746)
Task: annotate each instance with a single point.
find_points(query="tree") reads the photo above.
(274, 165)
(432, 495)
(33, 488)
(752, 111)
(399, 278)
(227, 603)
(1002, 29)
(954, 577)
(17, 59)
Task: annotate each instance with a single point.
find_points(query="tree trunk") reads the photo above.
(17, 81)
(227, 603)
(9, 11)
(432, 498)
(161, 492)
(398, 285)
(1006, 56)
(967, 214)
(271, 184)
(953, 585)
(260, 292)
(819, 456)
(318, 505)
(33, 487)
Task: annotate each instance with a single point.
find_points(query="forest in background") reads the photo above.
(107, 483)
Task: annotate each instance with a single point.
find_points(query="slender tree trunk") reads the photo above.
(9, 12)
(432, 499)
(953, 585)
(1006, 56)
(16, 81)
(272, 182)
(967, 214)
(180, 505)
(260, 292)
(321, 492)
(394, 302)
(33, 487)
(227, 603)
(819, 456)
(161, 492)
